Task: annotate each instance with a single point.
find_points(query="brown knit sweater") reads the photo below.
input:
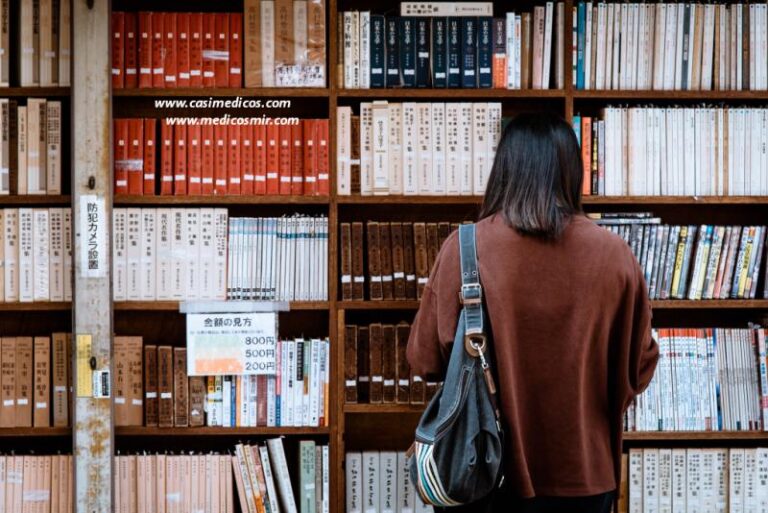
(571, 324)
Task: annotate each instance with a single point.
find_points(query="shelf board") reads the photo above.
(638, 436)
(384, 408)
(657, 304)
(127, 200)
(451, 93)
(173, 306)
(219, 431)
(35, 200)
(283, 92)
(35, 431)
(378, 305)
(670, 95)
(409, 200)
(41, 306)
(36, 92)
(675, 200)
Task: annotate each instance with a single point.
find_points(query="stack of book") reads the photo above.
(379, 482)
(692, 262)
(399, 257)
(42, 51)
(169, 253)
(711, 479)
(201, 156)
(278, 259)
(648, 151)
(670, 46)
(446, 44)
(30, 147)
(37, 483)
(34, 381)
(706, 380)
(152, 388)
(433, 149)
(376, 370)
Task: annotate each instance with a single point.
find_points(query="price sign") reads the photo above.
(220, 344)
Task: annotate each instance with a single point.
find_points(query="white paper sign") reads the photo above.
(220, 344)
(93, 249)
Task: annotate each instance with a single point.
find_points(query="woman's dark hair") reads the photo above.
(535, 182)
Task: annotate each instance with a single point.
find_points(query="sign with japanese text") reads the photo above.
(93, 225)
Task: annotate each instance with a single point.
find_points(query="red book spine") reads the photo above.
(169, 45)
(221, 46)
(121, 156)
(235, 49)
(261, 401)
(118, 50)
(273, 180)
(194, 160)
(158, 54)
(207, 159)
(586, 155)
(196, 49)
(150, 147)
(233, 157)
(323, 163)
(209, 35)
(220, 160)
(284, 159)
(260, 159)
(182, 49)
(135, 156)
(310, 157)
(180, 160)
(166, 158)
(246, 160)
(131, 51)
(145, 49)
(297, 159)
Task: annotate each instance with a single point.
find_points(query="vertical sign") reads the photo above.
(93, 257)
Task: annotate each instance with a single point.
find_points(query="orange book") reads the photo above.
(284, 159)
(323, 163)
(131, 51)
(586, 154)
(194, 160)
(499, 64)
(235, 49)
(166, 158)
(310, 157)
(221, 46)
(207, 156)
(135, 164)
(260, 159)
(182, 49)
(196, 49)
(297, 159)
(273, 180)
(180, 160)
(145, 49)
(233, 159)
(246, 160)
(209, 34)
(121, 156)
(220, 159)
(158, 55)
(150, 156)
(169, 49)
(118, 50)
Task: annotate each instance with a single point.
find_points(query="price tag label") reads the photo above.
(220, 344)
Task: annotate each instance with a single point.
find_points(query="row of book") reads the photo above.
(467, 49)
(706, 380)
(376, 369)
(37, 483)
(169, 253)
(43, 43)
(222, 159)
(693, 262)
(36, 254)
(35, 381)
(416, 148)
(30, 147)
(649, 151)
(670, 46)
(273, 43)
(153, 388)
(278, 259)
(397, 257)
(719, 480)
(380, 482)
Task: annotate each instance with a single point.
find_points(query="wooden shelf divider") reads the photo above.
(141, 431)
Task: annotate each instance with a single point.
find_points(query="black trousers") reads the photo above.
(504, 502)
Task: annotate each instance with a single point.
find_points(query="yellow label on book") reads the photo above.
(84, 371)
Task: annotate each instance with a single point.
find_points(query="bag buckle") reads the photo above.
(471, 294)
(475, 344)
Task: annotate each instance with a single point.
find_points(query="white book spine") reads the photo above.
(67, 236)
(364, 77)
(343, 150)
(26, 255)
(5, 149)
(351, 32)
(548, 32)
(410, 150)
(371, 492)
(380, 147)
(353, 469)
(53, 147)
(133, 254)
(148, 259)
(395, 148)
(366, 148)
(452, 149)
(424, 155)
(480, 145)
(388, 482)
(636, 481)
(466, 119)
(56, 258)
(207, 261)
(438, 149)
(267, 26)
(277, 458)
(164, 253)
(119, 255)
(509, 27)
(178, 259)
(41, 251)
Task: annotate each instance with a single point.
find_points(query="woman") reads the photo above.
(570, 318)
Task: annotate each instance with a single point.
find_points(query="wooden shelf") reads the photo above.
(35, 431)
(36, 200)
(42, 306)
(409, 200)
(378, 305)
(36, 92)
(282, 92)
(675, 200)
(173, 306)
(638, 436)
(658, 304)
(220, 431)
(670, 95)
(126, 200)
(384, 408)
(451, 93)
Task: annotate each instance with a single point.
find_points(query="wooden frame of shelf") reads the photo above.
(35, 92)
(142, 431)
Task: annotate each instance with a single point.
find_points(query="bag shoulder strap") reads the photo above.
(471, 294)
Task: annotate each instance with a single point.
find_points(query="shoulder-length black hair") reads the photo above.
(535, 182)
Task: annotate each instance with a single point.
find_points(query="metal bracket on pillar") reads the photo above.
(91, 226)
